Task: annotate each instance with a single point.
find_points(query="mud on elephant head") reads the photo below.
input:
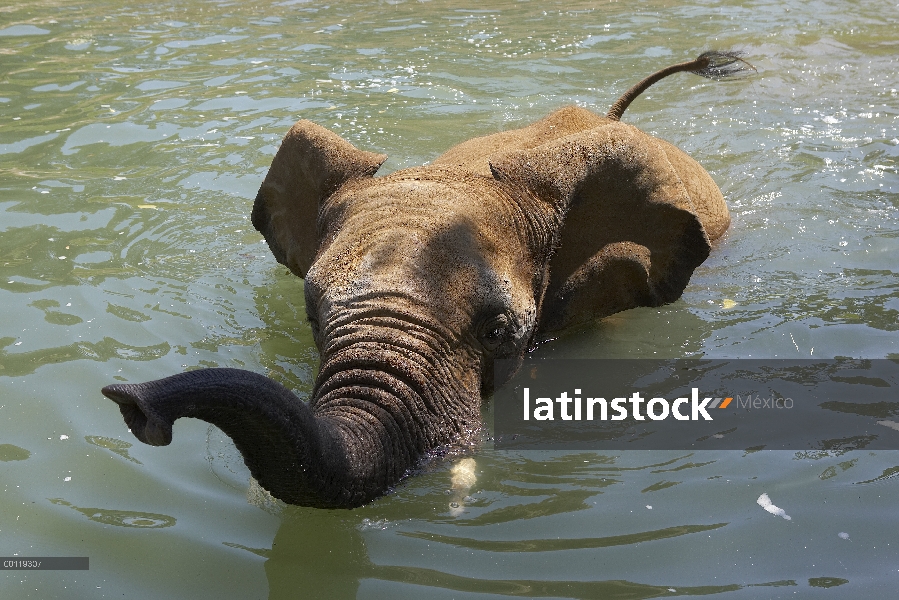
(416, 281)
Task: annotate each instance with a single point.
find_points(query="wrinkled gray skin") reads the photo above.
(416, 281)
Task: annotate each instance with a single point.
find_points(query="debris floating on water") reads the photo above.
(765, 502)
(464, 476)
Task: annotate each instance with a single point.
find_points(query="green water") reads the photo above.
(132, 141)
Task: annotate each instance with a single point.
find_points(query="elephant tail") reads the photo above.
(712, 64)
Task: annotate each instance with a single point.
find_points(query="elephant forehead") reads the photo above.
(436, 194)
(416, 255)
(433, 241)
(437, 220)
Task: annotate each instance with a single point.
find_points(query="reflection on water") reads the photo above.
(9, 452)
(352, 561)
(887, 474)
(572, 544)
(24, 363)
(119, 447)
(132, 141)
(120, 518)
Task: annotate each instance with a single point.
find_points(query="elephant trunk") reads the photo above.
(274, 430)
(370, 421)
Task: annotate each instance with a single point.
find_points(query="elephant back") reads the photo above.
(475, 153)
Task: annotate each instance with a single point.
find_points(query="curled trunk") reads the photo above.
(373, 416)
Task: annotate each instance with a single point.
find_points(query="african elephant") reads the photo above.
(416, 281)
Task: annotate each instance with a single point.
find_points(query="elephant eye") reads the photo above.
(495, 331)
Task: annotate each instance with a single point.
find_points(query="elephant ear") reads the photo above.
(312, 163)
(630, 234)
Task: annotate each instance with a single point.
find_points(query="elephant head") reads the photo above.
(415, 282)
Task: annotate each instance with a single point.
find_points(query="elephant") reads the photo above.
(417, 281)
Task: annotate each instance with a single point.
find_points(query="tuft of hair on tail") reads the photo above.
(713, 64)
(722, 65)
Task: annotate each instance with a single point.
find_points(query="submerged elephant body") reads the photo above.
(417, 281)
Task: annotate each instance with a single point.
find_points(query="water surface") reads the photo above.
(132, 141)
